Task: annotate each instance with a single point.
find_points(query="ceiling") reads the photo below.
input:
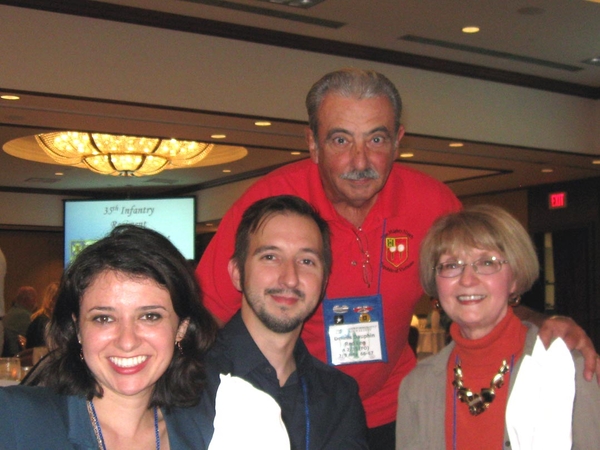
(539, 44)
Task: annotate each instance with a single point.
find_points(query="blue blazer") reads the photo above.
(38, 418)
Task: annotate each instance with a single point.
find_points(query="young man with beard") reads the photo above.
(280, 264)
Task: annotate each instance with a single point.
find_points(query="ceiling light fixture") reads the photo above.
(456, 144)
(470, 29)
(296, 3)
(262, 123)
(595, 61)
(111, 154)
(10, 97)
(407, 155)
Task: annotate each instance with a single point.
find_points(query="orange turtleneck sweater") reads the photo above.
(480, 360)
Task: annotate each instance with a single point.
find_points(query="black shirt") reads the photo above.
(36, 331)
(335, 414)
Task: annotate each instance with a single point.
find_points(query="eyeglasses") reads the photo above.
(361, 238)
(484, 266)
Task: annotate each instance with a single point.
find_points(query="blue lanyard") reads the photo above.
(381, 256)
(306, 412)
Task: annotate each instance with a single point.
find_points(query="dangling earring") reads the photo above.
(178, 345)
(437, 305)
(80, 350)
(514, 300)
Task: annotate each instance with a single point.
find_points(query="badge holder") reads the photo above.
(354, 330)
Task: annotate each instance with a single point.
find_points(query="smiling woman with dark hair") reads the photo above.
(127, 341)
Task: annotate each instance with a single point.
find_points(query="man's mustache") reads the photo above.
(355, 175)
(295, 292)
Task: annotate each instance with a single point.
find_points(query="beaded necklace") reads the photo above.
(478, 403)
(98, 430)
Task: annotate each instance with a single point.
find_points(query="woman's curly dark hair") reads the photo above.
(135, 252)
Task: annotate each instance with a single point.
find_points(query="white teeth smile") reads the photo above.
(128, 362)
(470, 298)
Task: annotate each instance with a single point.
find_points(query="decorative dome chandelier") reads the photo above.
(116, 155)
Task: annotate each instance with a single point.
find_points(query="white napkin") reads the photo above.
(246, 418)
(540, 408)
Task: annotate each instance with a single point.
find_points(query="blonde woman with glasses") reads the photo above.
(494, 386)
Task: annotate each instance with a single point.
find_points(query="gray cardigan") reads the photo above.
(422, 403)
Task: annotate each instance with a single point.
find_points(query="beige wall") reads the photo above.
(515, 202)
(31, 209)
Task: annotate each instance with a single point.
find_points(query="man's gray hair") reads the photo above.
(352, 83)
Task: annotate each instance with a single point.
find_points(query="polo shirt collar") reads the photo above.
(246, 355)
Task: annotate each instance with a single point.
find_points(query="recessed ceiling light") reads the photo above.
(456, 144)
(262, 123)
(10, 97)
(296, 3)
(218, 136)
(595, 61)
(547, 170)
(596, 161)
(295, 153)
(406, 155)
(226, 171)
(470, 29)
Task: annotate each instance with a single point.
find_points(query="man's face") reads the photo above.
(356, 148)
(283, 274)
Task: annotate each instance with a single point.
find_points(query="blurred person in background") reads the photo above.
(18, 318)
(36, 331)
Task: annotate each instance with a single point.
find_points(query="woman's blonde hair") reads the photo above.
(484, 227)
(48, 301)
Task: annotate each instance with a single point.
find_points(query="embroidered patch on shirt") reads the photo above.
(396, 250)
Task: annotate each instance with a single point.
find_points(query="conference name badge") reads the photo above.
(354, 330)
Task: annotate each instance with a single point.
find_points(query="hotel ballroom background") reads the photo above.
(507, 115)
